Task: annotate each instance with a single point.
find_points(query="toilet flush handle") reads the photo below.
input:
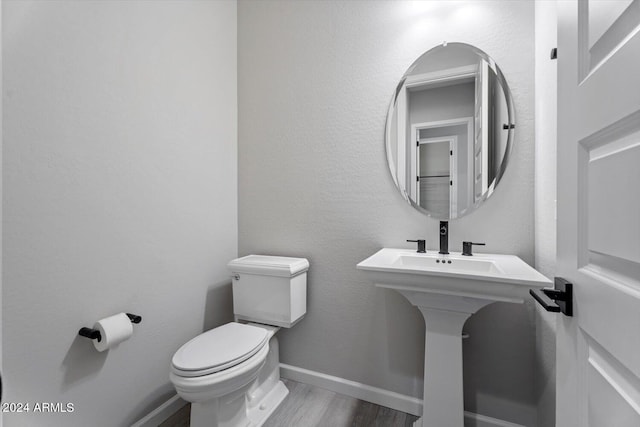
(235, 277)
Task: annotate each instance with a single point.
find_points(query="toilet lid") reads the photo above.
(219, 348)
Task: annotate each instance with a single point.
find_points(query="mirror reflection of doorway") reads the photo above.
(443, 184)
(436, 168)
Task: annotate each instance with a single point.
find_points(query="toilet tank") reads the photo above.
(269, 289)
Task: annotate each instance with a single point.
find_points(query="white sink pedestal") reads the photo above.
(444, 317)
(448, 289)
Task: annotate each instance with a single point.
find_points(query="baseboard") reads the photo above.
(161, 413)
(389, 399)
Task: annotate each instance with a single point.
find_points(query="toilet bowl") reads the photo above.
(239, 385)
(231, 373)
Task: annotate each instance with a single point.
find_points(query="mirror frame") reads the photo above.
(510, 136)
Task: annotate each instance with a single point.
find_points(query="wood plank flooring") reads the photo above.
(309, 406)
(180, 419)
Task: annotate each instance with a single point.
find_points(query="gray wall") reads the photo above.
(314, 83)
(442, 103)
(545, 203)
(120, 194)
(1, 192)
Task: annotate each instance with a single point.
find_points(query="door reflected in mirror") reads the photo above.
(450, 130)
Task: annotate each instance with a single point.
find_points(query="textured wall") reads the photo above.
(120, 193)
(545, 134)
(314, 83)
(545, 202)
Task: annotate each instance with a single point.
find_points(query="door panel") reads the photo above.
(598, 382)
(604, 27)
(609, 164)
(602, 15)
(612, 392)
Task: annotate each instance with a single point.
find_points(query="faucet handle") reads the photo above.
(466, 247)
(421, 245)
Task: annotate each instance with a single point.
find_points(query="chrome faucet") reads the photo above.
(444, 237)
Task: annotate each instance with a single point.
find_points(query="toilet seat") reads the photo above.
(206, 387)
(218, 349)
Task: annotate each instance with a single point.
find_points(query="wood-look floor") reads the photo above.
(180, 419)
(309, 406)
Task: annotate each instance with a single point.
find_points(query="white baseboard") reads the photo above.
(161, 413)
(389, 399)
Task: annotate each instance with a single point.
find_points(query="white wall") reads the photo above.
(546, 136)
(545, 201)
(314, 84)
(120, 194)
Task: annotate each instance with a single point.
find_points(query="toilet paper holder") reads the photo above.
(94, 334)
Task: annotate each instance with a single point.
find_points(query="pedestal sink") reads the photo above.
(448, 289)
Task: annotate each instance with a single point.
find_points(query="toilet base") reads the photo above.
(251, 405)
(260, 413)
(234, 412)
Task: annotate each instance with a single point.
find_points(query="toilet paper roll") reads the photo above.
(113, 330)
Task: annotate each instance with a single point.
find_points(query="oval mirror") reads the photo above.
(450, 130)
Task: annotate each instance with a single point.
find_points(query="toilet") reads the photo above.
(231, 373)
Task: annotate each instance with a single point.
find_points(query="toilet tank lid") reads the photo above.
(269, 265)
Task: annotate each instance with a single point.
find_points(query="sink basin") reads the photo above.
(447, 289)
(494, 277)
(447, 265)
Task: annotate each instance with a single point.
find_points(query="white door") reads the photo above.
(437, 179)
(598, 350)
